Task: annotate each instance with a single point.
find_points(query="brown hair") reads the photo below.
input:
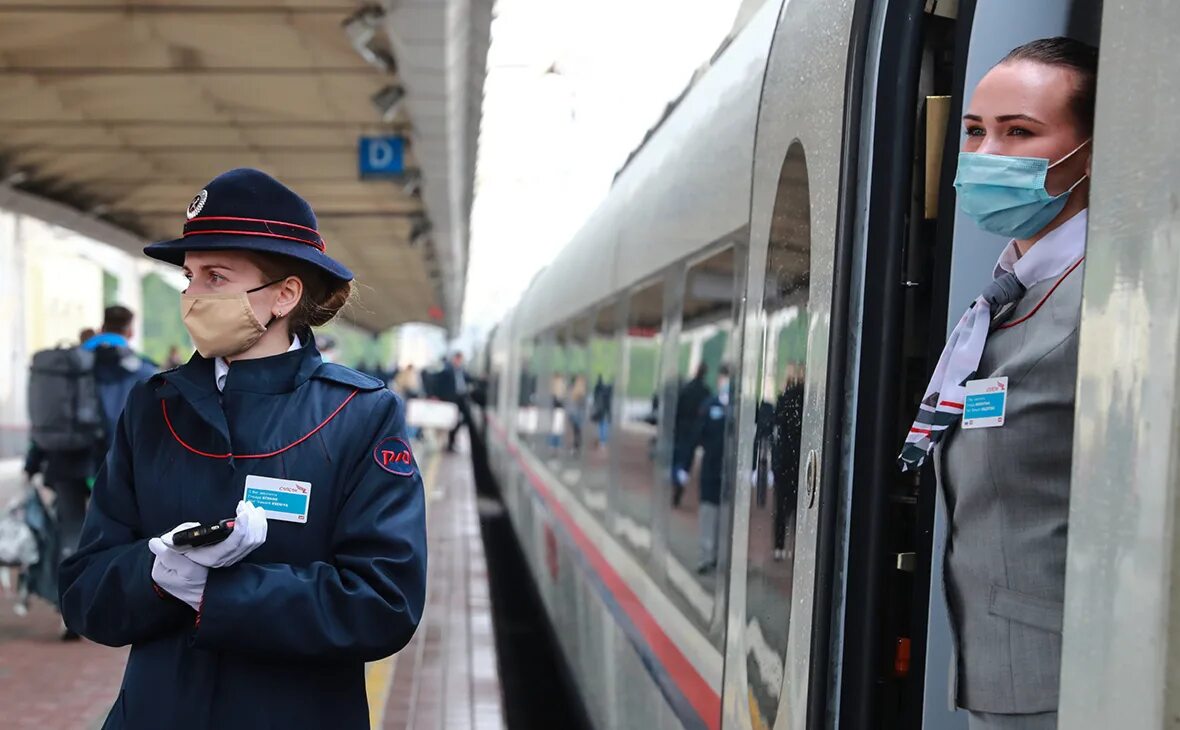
(323, 295)
(1079, 57)
(117, 318)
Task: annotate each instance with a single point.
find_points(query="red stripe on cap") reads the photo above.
(318, 246)
(250, 220)
(256, 227)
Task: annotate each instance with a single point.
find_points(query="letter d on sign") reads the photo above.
(380, 154)
(381, 157)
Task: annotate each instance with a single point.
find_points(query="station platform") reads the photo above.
(445, 679)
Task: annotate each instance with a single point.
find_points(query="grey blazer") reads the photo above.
(1006, 491)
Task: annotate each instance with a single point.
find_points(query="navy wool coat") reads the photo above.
(283, 636)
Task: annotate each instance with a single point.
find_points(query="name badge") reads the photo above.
(281, 499)
(985, 402)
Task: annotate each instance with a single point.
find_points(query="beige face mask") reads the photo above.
(222, 324)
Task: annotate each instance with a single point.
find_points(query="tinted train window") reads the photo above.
(526, 406)
(636, 438)
(597, 436)
(577, 395)
(699, 406)
(557, 353)
(493, 386)
(774, 467)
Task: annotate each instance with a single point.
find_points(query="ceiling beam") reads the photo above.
(85, 71)
(169, 181)
(132, 8)
(392, 127)
(184, 148)
(339, 215)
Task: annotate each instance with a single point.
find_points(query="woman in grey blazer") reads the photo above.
(998, 413)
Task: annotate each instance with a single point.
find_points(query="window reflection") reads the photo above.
(778, 415)
(577, 397)
(603, 365)
(559, 402)
(699, 477)
(636, 440)
(546, 358)
(526, 406)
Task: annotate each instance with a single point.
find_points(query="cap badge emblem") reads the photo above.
(194, 208)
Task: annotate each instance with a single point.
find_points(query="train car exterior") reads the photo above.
(786, 241)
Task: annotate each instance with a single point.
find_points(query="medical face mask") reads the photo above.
(1006, 195)
(222, 324)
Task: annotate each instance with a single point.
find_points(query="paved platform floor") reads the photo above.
(445, 679)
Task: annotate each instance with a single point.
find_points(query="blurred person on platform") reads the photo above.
(709, 435)
(93, 378)
(693, 394)
(601, 410)
(174, 359)
(408, 383)
(453, 384)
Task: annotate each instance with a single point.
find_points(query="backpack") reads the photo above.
(65, 413)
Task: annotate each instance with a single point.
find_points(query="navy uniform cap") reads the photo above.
(248, 210)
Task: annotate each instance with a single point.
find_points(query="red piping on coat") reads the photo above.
(1044, 299)
(313, 432)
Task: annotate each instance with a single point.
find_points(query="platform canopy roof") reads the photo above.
(124, 110)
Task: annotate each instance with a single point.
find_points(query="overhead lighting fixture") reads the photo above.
(412, 182)
(420, 233)
(363, 31)
(388, 101)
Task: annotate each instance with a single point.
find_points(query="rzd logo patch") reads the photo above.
(394, 456)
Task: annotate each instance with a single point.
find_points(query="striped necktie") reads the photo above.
(943, 403)
(1053, 257)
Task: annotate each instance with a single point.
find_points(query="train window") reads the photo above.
(493, 375)
(636, 438)
(577, 396)
(775, 466)
(526, 405)
(547, 396)
(700, 400)
(558, 357)
(603, 368)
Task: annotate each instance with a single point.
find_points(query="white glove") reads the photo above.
(175, 573)
(249, 532)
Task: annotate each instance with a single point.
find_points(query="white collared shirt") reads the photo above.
(1073, 229)
(221, 367)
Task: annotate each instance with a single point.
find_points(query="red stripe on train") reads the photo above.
(696, 689)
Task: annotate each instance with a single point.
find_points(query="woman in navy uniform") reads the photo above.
(326, 566)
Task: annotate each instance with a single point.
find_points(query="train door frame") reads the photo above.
(797, 105)
(893, 49)
(1121, 636)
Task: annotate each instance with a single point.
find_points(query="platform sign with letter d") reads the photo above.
(381, 157)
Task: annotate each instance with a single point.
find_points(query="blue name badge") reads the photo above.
(281, 499)
(985, 402)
